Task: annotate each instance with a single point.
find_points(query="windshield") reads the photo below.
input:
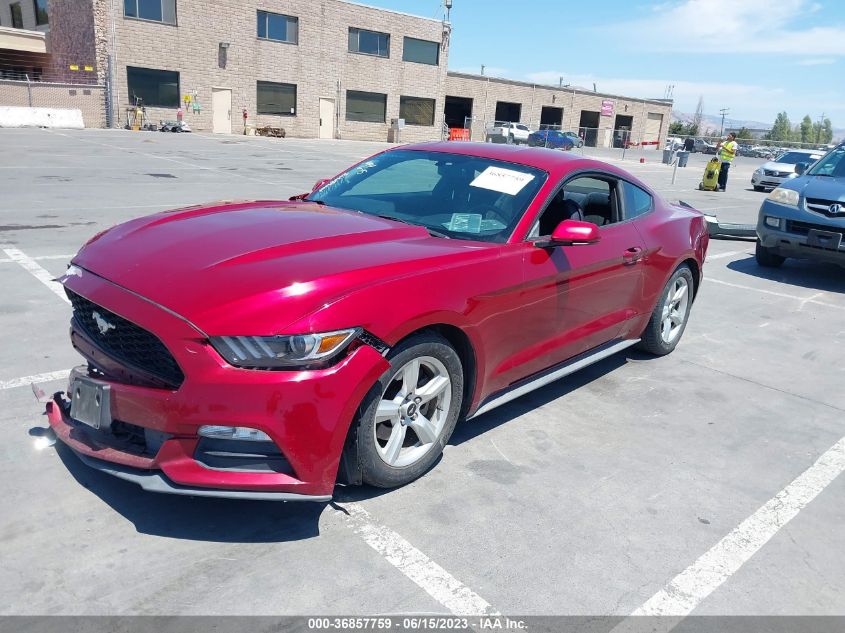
(831, 165)
(793, 158)
(465, 197)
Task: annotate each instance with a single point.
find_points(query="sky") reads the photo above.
(755, 57)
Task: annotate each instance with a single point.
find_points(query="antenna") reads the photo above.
(448, 5)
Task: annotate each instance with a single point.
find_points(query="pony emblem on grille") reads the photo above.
(102, 325)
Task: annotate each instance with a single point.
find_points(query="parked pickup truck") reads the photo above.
(506, 132)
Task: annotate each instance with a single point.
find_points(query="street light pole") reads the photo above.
(723, 112)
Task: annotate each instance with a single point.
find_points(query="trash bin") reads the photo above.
(667, 156)
(683, 157)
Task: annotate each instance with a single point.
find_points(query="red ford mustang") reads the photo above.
(268, 349)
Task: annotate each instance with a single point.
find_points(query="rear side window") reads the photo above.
(637, 201)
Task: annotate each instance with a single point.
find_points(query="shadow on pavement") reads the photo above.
(197, 518)
(796, 272)
(468, 430)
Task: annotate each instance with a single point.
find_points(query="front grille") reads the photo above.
(803, 228)
(124, 341)
(776, 174)
(819, 205)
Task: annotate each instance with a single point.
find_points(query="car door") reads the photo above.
(580, 296)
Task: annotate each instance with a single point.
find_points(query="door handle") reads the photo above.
(632, 255)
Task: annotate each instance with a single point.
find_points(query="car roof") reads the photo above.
(550, 160)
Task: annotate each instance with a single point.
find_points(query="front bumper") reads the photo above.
(768, 182)
(792, 238)
(307, 414)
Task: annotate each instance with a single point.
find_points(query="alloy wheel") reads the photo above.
(674, 310)
(412, 411)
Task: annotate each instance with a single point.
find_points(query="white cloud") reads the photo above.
(729, 26)
(817, 61)
(746, 100)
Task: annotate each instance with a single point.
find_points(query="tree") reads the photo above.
(782, 128)
(827, 131)
(699, 115)
(744, 133)
(676, 128)
(807, 129)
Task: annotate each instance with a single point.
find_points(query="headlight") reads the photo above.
(788, 197)
(758, 172)
(282, 352)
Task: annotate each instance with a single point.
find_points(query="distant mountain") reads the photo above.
(714, 122)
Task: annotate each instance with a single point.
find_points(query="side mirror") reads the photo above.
(571, 232)
(317, 185)
(800, 168)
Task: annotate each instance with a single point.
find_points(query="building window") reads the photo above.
(370, 107)
(278, 99)
(17, 16)
(277, 27)
(421, 51)
(153, 87)
(40, 12)
(153, 10)
(416, 110)
(369, 42)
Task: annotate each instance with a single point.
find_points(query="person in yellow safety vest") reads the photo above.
(727, 152)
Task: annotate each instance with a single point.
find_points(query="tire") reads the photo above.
(767, 257)
(656, 338)
(759, 188)
(382, 463)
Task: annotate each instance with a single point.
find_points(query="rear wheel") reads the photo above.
(669, 319)
(767, 257)
(411, 412)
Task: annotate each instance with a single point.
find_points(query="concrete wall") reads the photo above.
(89, 100)
(486, 91)
(11, 116)
(320, 64)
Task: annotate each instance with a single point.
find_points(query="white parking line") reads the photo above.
(785, 295)
(689, 588)
(38, 258)
(28, 380)
(428, 575)
(35, 269)
(721, 255)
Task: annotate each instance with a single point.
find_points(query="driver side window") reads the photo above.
(590, 198)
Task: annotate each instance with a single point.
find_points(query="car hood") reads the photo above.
(265, 263)
(775, 166)
(821, 187)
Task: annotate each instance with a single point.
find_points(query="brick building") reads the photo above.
(318, 68)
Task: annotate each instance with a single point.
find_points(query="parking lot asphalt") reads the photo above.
(587, 497)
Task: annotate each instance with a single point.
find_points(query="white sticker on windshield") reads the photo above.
(502, 180)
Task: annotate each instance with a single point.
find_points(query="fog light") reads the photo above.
(233, 433)
(772, 222)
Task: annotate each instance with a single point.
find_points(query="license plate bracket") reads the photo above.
(90, 402)
(824, 239)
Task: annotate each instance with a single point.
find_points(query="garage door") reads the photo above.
(652, 130)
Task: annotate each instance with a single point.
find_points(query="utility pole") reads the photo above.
(819, 129)
(723, 112)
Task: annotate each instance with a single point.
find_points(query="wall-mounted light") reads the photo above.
(224, 45)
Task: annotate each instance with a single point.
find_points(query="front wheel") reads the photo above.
(669, 318)
(410, 413)
(767, 257)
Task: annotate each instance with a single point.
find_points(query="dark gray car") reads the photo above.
(805, 216)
